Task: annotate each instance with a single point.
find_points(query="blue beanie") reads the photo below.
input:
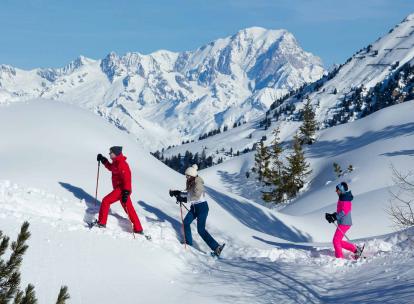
(342, 187)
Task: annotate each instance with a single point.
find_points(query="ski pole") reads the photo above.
(182, 226)
(185, 207)
(342, 231)
(97, 184)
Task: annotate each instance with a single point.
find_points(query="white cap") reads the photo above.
(192, 171)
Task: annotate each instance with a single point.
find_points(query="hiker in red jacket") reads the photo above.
(121, 182)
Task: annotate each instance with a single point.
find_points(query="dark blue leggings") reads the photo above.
(199, 212)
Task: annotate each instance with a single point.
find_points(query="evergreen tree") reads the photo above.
(262, 162)
(63, 295)
(10, 272)
(188, 159)
(309, 126)
(203, 160)
(275, 178)
(296, 171)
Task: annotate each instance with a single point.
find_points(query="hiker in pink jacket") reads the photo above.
(344, 219)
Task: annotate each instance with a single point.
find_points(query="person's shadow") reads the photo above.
(314, 251)
(92, 207)
(162, 217)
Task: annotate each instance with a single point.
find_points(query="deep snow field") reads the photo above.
(48, 173)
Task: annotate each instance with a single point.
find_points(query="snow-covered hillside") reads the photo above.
(48, 172)
(164, 98)
(370, 145)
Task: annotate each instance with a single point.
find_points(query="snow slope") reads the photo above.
(368, 67)
(370, 144)
(47, 176)
(164, 97)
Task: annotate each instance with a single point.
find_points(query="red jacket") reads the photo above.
(121, 174)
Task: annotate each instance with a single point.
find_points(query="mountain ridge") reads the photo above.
(165, 97)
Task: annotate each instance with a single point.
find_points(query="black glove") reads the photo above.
(101, 158)
(125, 195)
(179, 196)
(175, 193)
(330, 217)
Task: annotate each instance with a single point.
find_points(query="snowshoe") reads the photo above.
(95, 223)
(358, 252)
(147, 236)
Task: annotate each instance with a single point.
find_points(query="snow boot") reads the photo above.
(218, 250)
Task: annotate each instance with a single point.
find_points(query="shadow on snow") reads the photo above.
(92, 206)
(331, 148)
(255, 218)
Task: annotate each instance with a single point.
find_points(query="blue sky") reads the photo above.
(45, 33)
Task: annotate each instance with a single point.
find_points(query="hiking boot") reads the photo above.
(219, 249)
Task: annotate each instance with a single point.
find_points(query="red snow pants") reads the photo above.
(113, 197)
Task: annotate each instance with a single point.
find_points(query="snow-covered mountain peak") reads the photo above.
(377, 76)
(339, 96)
(6, 71)
(76, 64)
(409, 17)
(259, 34)
(166, 97)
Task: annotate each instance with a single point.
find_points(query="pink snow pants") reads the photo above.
(339, 243)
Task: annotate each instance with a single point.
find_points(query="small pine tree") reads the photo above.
(10, 272)
(262, 161)
(309, 126)
(63, 295)
(337, 169)
(276, 193)
(296, 171)
(339, 172)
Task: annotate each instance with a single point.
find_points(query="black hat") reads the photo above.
(117, 150)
